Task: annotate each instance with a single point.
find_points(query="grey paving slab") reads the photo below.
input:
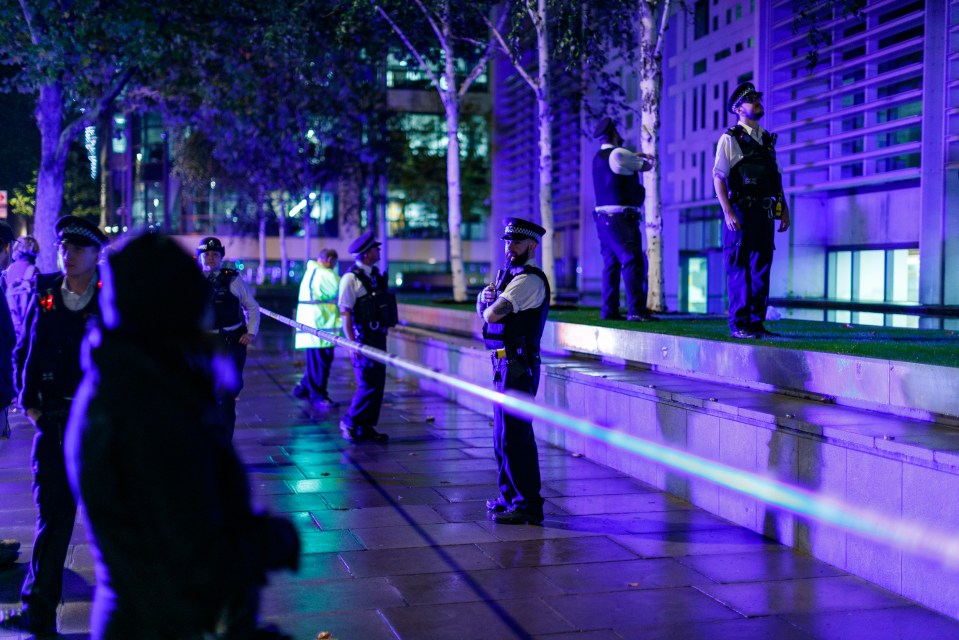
(767, 628)
(759, 567)
(503, 620)
(625, 575)
(803, 595)
(466, 586)
(906, 623)
(416, 560)
(647, 607)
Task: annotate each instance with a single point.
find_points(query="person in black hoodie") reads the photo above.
(179, 550)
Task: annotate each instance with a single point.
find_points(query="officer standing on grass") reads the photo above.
(368, 311)
(514, 310)
(49, 356)
(236, 318)
(749, 187)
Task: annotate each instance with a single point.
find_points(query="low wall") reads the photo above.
(925, 392)
(894, 466)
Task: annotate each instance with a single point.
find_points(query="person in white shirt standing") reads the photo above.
(749, 187)
(368, 310)
(236, 318)
(618, 215)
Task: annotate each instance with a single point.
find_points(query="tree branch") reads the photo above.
(509, 53)
(413, 50)
(436, 28)
(90, 117)
(663, 25)
(484, 59)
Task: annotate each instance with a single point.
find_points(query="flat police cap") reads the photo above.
(80, 232)
(741, 92)
(519, 229)
(603, 127)
(363, 244)
(210, 244)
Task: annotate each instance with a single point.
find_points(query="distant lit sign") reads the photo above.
(3, 205)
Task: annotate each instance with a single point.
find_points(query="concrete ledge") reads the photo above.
(897, 466)
(923, 392)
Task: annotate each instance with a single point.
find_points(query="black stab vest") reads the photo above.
(614, 189)
(59, 334)
(520, 332)
(226, 306)
(756, 175)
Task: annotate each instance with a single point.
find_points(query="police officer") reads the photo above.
(514, 310)
(236, 318)
(49, 353)
(618, 216)
(749, 188)
(368, 311)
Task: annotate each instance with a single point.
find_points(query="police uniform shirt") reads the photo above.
(624, 162)
(728, 152)
(525, 291)
(351, 289)
(251, 307)
(76, 301)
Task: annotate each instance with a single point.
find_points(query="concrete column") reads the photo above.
(934, 217)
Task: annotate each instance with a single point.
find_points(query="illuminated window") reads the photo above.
(873, 275)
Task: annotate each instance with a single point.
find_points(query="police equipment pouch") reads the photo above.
(377, 309)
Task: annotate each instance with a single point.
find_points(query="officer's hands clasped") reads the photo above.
(489, 295)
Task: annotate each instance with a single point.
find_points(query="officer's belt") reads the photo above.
(233, 328)
(762, 203)
(612, 209)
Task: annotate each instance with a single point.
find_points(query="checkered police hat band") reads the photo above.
(529, 233)
(83, 232)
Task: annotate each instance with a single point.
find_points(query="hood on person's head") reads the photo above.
(151, 286)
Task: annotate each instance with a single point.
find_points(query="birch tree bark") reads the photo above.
(538, 82)
(654, 19)
(451, 94)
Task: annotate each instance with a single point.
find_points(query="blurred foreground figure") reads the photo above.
(179, 551)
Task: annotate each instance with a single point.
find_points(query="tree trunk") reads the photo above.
(545, 119)
(454, 199)
(307, 219)
(284, 256)
(261, 269)
(105, 130)
(53, 158)
(651, 88)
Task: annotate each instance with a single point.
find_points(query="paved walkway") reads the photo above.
(398, 545)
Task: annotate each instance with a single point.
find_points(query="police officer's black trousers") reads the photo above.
(621, 245)
(748, 253)
(370, 378)
(56, 513)
(317, 375)
(226, 402)
(517, 458)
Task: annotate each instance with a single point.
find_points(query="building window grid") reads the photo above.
(897, 89)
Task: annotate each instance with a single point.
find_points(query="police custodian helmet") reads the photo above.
(210, 244)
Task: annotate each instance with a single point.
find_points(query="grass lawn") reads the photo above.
(907, 345)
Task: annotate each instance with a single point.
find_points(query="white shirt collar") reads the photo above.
(365, 267)
(607, 145)
(754, 133)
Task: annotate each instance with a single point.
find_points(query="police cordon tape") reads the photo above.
(909, 536)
